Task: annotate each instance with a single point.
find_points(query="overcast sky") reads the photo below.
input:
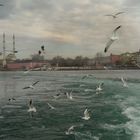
(69, 27)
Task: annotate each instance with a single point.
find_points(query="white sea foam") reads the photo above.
(112, 127)
(82, 85)
(85, 136)
(11, 106)
(134, 124)
(88, 90)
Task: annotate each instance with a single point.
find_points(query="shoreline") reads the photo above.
(72, 70)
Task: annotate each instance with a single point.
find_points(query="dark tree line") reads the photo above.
(67, 62)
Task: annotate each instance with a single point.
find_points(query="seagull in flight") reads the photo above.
(42, 50)
(115, 15)
(69, 95)
(50, 106)
(124, 82)
(12, 99)
(27, 71)
(31, 108)
(70, 130)
(86, 115)
(31, 86)
(57, 95)
(99, 88)
(105, 67)
(39, 52)
(112, 38)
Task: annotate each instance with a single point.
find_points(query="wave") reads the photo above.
(134, 124)
(85, 136)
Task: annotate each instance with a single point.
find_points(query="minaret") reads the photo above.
(13, 44)
(4, 52)
(14, 48)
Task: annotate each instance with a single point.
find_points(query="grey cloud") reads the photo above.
(8, 9)
(70, 27)
(132, 3)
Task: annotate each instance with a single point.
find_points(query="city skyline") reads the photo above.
(69, 28)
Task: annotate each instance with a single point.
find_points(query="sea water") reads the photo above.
(114, 112)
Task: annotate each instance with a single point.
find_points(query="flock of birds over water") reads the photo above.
(86, 115)
(68, 94)
(111, 40)
(114, 36)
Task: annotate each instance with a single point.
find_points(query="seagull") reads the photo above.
(50, 106)
(42, 48)
(69, 95)
(86, 115)
(30, 102)
(27, 71)
(39, 52)
(31, 86)
(112, 39)
(70, 130)
(124, 82)
(57, 95)
(12, 99)
(105, 67)
(99, 88)
(115, 15)
(31, 108)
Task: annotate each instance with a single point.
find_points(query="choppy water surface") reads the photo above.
(115, 112)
